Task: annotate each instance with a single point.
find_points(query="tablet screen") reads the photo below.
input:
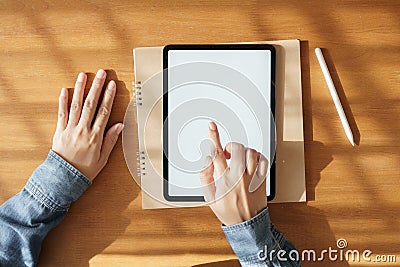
(190, 106)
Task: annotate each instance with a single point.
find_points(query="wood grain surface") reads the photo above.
(353, 192)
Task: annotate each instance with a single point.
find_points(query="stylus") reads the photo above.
(334, 95)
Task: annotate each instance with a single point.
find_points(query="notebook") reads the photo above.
(290, 169)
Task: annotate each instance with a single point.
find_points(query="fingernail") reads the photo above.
(212, 126)
(120, 128)
(63, 91)
(111, 85)
(100, 74)
(81, 77)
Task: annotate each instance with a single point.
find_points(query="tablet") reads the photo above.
(231, 84)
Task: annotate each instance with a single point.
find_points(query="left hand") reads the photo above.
(79, 134)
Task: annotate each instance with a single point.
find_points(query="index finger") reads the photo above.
(219, 159)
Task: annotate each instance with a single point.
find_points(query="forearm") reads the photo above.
(26, 218)
(257, 242)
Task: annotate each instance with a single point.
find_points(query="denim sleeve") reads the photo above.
(257, 243)
(26, 218)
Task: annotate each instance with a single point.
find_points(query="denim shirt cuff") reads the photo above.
(250, 238)
(56, 183)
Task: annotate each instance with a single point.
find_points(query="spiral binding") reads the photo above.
(141, 163)
(137, 89)
(140, 155)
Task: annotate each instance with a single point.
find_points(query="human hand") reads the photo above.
(238, 192)
(79, 136)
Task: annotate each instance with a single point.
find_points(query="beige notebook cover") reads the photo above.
(290, 170)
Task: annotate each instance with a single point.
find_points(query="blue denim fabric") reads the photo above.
(257, 243)
(26, 218)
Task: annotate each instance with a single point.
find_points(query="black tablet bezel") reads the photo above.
(167, 48)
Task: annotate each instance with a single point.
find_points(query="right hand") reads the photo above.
(238, 192)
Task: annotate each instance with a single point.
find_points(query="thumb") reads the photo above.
(110, 139)
(207, 180)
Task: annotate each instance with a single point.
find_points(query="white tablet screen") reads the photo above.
(193, 105)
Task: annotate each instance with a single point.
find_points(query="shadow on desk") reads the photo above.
(308, 229)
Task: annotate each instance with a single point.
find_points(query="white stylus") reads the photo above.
(334, 95)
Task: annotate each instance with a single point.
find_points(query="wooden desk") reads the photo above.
(353, 192)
